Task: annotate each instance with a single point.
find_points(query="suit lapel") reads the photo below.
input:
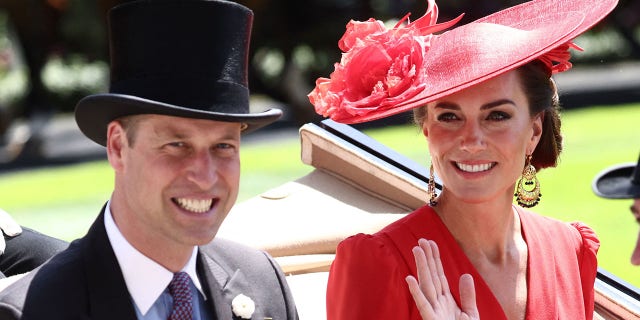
(213, 280)
(108, 294)
(223, 284)
(109, 297)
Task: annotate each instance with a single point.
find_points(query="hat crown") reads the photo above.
(191, 53)
(182, 58)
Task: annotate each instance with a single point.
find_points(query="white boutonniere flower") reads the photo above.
(243, 306)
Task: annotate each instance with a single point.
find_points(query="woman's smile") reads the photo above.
(473, 168)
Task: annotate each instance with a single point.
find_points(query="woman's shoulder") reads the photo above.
(389, 233)
(422, 216)
(391, 243)
(588, 238)
(367, 276)
(363, 242)
(581, 235)
(534, 219)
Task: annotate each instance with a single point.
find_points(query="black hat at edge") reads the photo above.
(618, 182)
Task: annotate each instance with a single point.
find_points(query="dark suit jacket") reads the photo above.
(85, 282)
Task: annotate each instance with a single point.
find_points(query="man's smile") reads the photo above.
(194, 205)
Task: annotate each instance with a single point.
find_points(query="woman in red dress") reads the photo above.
(483, 95)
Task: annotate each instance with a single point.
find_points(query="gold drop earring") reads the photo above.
(528, 189)
(431, 188)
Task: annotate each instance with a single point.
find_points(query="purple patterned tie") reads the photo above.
(179, 290)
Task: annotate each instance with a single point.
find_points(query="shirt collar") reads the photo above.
(145, 278)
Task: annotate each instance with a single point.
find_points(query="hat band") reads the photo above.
(194, 93)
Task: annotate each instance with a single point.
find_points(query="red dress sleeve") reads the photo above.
(588, 264)
(366, 281)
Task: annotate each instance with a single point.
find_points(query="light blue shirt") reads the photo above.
(147, 281)
(161, 308)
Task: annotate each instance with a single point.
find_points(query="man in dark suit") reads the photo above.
(622, 181)
(23, 249)
(171, 123)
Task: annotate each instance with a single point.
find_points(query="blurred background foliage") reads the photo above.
(53, 52)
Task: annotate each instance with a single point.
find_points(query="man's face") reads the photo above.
(176, 181)
(635, 210)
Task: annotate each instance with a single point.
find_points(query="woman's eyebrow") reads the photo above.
(496, 103)
(489, 105)
(447, 105)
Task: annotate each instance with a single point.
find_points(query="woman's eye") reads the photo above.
(177, 144)
(447, 117)
(498, 116)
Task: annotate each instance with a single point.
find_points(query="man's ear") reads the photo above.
(116, 142)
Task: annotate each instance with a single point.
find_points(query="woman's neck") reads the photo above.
(486, 230)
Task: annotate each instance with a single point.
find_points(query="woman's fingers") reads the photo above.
(425, 278)
(424, 306)
(468, 297)
(442, 279)
(427, 247)
(430, 290)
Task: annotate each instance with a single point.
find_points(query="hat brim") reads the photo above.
(616, 183)
(494, 45)
(93, 113)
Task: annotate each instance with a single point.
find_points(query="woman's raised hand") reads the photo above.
(431, 290)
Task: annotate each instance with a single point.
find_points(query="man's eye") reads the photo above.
(226, 147)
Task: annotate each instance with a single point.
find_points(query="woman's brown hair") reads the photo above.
(542, 96)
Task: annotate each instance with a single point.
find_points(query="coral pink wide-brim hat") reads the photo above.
(384, 72)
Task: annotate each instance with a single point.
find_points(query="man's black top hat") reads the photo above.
(619, 182)
(185, 58)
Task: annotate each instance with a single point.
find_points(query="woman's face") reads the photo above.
(479, 137)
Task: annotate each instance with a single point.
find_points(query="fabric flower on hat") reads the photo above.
(243, 307)
(379, 67)
(557, 60)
